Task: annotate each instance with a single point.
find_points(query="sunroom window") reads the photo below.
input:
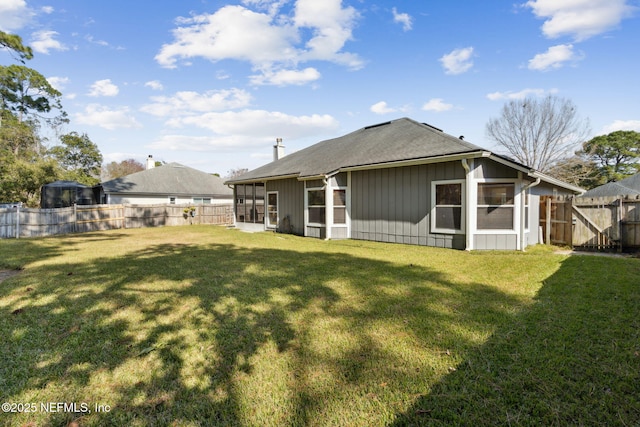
(339, 206)
(495, 206)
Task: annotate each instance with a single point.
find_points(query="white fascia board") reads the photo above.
(412, 162)
(554, 181)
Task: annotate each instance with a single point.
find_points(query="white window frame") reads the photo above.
(515, 206)
(434, 228)
(201, 200)
(172, 200)
(307, 206)
(346, 215)
(268, 223)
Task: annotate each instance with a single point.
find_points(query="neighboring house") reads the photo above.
(399, 181)
(625, 187)
(170, 183)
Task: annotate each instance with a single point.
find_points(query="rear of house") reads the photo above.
(402, 182)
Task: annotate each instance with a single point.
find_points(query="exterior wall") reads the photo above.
(393, 204)
(290, 203)
(495, 242)
(119, 199)
(488, 169)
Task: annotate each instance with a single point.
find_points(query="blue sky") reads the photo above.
(212, 84)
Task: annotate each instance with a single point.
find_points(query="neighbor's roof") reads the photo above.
(625, 187)
(401, 140)
(394, 141)
(169, 179)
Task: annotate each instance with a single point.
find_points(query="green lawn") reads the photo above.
(200, 325)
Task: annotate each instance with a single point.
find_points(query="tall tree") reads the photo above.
(117, 169)
(13, 43)
(616, 154)
(538, 132)
(27, 94)
(79, 157)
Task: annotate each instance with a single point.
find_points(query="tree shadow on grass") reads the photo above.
(573, 358)
(227, 335)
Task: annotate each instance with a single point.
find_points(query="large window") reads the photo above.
(316, 205)
(339, 206)
(495, 206)
(447, 216)
(250, 203)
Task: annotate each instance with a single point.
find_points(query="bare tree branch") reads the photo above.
(538, 132)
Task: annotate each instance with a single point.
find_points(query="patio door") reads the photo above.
(272, 209)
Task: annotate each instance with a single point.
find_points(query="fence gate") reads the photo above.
(556, 220)
(598, 223)
(607, 223)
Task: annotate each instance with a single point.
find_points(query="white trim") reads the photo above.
(436, 230)
(420, 161)
(470, 199)
(306, 206)
(267, 222)
(328, 209)
(348, 213)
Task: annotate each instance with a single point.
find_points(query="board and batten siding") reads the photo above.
(393, 204)
(290, 203)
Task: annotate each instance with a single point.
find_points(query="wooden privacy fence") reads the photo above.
(24, 222)
(603, 223)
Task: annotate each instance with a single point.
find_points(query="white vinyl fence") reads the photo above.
(19, 222)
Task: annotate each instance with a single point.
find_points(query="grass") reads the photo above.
(200, 325)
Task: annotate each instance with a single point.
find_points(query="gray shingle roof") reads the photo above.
(625, 187)
(397, 140)
(170, 179)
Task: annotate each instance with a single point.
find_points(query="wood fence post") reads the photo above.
(620, 207)
(548, 225)
(18, 221)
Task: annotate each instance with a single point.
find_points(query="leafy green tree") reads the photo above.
(616, 154)
(79, 157)
(13, 43)
(27, 94)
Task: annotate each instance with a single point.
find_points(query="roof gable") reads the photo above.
(625, 187)
(169, 179)
(394, 141)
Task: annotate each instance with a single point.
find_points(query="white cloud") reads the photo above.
(104, 117)
(44, 41)
(47, 9)
(188, 102)
(437, 105)
(154, 84)
(269, 41)
(554, 57)
(286, 77)
(457, 61)
(402, 18)
(633, 125)
(58, 82)
(498, 96)
(580, 19)
(14, 14)
(247, 128)
(104, 88)
(259, 123)
(382, 108)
